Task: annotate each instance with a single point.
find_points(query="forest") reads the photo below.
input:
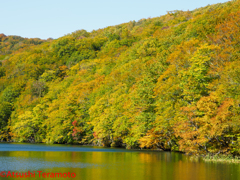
(170, 82)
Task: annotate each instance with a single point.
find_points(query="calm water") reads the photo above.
(94, 163)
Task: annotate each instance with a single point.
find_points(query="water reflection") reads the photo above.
(116, 164)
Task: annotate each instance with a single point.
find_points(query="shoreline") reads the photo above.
(216, 158)
(223, 158)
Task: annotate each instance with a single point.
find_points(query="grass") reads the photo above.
(221, 158)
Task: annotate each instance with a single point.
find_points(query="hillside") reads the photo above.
(170, 82)
(13, 44)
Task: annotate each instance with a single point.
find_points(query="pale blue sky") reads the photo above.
(55, 18)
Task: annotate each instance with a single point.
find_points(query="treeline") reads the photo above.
(170, 82)
(10, 44)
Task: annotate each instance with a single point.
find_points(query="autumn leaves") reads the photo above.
(137, 84)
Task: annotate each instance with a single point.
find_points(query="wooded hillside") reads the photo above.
(170, 82)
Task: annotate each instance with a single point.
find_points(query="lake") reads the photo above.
(97, 163)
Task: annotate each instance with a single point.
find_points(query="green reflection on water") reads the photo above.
(139, 165)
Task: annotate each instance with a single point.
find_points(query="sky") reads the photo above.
(55, 18)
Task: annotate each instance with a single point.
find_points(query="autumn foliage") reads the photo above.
(170, 83)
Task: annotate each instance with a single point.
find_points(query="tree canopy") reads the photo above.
(170, 82)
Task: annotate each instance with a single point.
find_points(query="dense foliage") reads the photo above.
(13, 44)
(170, 82)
